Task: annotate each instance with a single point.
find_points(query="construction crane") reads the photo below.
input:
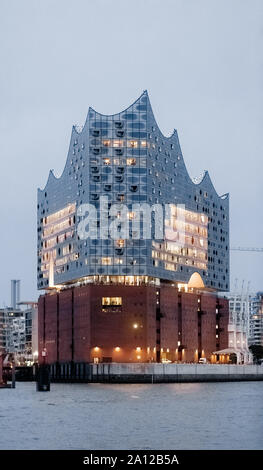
(245, 249)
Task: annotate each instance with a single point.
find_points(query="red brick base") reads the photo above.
(152, 324)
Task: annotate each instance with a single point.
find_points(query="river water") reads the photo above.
(160, 416)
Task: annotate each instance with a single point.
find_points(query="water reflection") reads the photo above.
(130, 416)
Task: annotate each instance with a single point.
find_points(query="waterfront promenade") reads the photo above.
(171, 372)
(146, 373)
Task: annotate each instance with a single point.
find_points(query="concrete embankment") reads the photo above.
(180, 373)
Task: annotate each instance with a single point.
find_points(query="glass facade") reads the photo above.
(126, 159)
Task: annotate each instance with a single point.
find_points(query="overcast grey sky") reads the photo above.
(201, 62)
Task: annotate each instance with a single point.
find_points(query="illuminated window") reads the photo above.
(106, 260)
(119, 161)
(117, 143)
(143, 143)
(71, 208)
(66, 249)
(106, 161)
(111, 301)
(106, 142)
(131, 161)
(191, 228)
(120, 243)
(133, 143)
(170, 266)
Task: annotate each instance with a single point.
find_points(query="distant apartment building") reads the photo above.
(2, 331)
(238, 326)
(12, 324)
(31, 331)
(19, 328)
(256, 320)
(14, 331)
(245, 325)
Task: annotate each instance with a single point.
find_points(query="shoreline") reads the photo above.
(174, 373)
(145, 373)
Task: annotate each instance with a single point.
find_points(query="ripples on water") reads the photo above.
(161, 416)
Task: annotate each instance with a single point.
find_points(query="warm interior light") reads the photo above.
(196, 281)
(96, 348)
(131, 161)
(111, 301)
(120, 243)
(117, 349)
(138, 357)
(133, 143)
(182, 287)
(138, 348)
(135, 325)
(106, 143)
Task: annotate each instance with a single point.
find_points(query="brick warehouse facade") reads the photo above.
(148, 324)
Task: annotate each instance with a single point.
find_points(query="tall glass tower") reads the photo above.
(124, 161)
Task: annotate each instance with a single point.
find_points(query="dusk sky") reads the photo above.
(202, 64)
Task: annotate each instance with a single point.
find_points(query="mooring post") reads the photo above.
(43, 375)
(13, 374)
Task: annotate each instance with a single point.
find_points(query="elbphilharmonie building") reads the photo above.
(125, 160)
(132, 252)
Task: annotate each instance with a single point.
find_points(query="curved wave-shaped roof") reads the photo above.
(78, 131)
